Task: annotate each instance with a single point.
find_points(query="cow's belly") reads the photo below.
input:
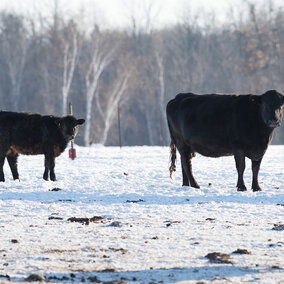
(208, 140)
(211, 146)
(255, 154)
(212, 150)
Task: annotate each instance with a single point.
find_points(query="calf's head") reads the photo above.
(271, 107)
(69, 126)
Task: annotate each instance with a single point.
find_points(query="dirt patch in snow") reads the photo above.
(218, 257)
(241, 251)
(86, 221)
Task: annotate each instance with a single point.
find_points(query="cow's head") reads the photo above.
(271, 106)
(68, 126)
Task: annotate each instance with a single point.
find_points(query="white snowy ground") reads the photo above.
(164, 230)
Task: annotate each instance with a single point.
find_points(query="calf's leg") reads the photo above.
(12, 160)
(49, 168)
(52, 165)
(46, 168)
(240, 165)
(255, 165)
(49, 162)
(186, 157)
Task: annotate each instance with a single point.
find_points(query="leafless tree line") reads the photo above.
(138, 70)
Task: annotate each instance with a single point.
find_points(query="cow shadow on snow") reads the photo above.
(170, 275)
(178, 196)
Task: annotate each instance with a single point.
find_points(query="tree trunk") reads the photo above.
(114, 99)
(88, 123)
(69, 63)
(163, 117)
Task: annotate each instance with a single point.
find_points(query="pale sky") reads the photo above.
(117, 13)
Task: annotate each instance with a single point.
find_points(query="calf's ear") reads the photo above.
(58, 122)
(80, 121)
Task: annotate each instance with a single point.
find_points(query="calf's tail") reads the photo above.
(173, 157)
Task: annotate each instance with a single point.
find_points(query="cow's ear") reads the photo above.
(256, 99)
(80, 121)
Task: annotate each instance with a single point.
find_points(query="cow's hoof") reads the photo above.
(242, 188)
(256, 189)
(195, 186)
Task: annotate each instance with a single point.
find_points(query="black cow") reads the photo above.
(222, 125)
(33, 134)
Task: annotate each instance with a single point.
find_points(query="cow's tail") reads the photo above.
(173, 157)
(173, 148)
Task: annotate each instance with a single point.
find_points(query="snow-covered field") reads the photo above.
(152, 229)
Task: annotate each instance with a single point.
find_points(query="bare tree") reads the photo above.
(14, 46)
(100, 59)
(161, 100)
(143, 15)
(70, 59)
(116, 98)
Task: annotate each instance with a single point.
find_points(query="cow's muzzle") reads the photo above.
(273, 123)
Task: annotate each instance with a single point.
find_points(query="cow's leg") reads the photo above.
(240, 165)
(184, 177)
(255, 165)
(12, 160)
(2, 160)
(187, 169)
(4, 147)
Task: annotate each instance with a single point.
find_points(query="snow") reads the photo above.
(153, 229)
